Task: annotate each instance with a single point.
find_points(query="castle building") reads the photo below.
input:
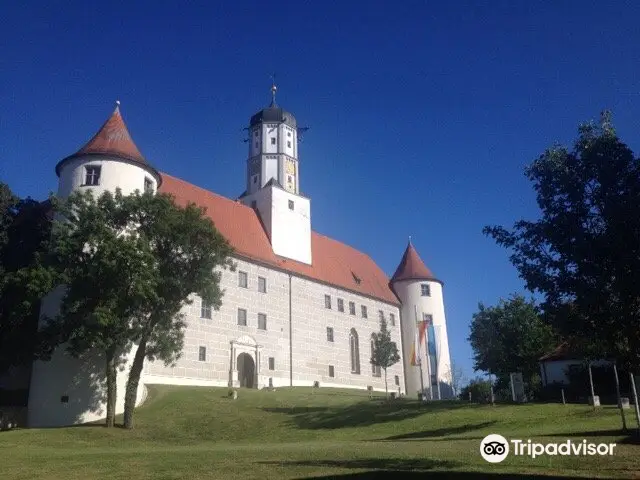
(299, 308)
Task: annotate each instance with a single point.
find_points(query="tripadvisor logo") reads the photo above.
(495, 448)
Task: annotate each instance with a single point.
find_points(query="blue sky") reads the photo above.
(423, 115)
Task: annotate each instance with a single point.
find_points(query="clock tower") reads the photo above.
(273, 181)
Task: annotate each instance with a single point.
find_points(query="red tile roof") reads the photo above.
(112, 139)
(412, 267)
(334, 262)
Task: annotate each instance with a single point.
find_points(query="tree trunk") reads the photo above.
(624, 421)
(112, 387)
(386, 390)
(593, 393)
(133, 381)
(635, 399)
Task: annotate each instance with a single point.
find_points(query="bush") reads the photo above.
(480, 391)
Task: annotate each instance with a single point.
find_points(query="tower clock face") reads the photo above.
(291, 167)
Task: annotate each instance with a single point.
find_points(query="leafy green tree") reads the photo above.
(188, 255)
(510, 337)
(480, 390)
(24, 278)
(107, 276)
(385, 351)
(583, 253)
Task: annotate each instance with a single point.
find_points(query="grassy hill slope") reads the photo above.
(192, 432)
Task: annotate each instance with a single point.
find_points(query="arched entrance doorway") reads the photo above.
(246, 370)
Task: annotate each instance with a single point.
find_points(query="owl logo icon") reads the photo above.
(494, 448)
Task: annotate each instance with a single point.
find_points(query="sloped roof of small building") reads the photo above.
(412, 267)
(561, 352)
(334, 263)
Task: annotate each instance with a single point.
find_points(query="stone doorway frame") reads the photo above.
(244, 344)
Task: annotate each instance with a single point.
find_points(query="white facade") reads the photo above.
(436, 378)
(114, 173)
(294, 349)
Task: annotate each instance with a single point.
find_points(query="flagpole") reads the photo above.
(426, 344)
(418, 353)
(436, 343)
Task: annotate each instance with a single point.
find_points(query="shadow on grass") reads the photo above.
(402, 468)
(440, 432)
(360, 414)
(391, 464)
(630, 437)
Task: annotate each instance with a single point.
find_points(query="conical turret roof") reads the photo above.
(412, 267)
(112, 139)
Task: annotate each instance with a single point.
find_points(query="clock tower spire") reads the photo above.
(273, 181)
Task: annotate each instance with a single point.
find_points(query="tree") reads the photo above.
(480, 390)
(188, 253)
(583, 254)
(24, 278)
(385, 351)
(107, 276)
(510, 337)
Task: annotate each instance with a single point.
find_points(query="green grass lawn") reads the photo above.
(191, 432)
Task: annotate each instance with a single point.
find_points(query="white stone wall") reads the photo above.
(410, 294)
(555, 371)
(291, 229)
(65, 390)
(312, 353)
(114, 173)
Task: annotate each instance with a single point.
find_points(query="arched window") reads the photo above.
(354, 349)
(375, 370)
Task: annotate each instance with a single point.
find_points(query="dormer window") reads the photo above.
(148, 185)
(92, 177)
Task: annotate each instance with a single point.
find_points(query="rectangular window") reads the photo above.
(262, 285)
(272, 363)
(329, 334)
(243, 279)
(262, 321)
(290, 204)
(242, 317)
(327, 301)
(273, 140)
(288, 134)
(392, 319)
(397, 380)
(202, 354)
(205, 310)
(331, 372)
(426, 290)
(352, 308)
(93, 175)
(289, 144)
(428, 318)
(364, 311)
(340, 305)
(148, 185)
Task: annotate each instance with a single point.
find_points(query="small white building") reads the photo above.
(300, 307)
